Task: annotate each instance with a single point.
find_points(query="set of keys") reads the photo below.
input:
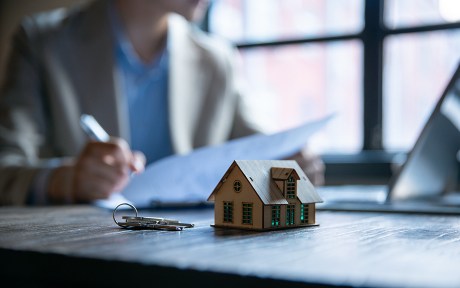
(138, 222)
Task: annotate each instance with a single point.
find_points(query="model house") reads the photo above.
(264, 195)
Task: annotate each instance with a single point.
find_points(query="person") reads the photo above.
(142, 69)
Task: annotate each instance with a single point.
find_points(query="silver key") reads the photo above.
(138, 222)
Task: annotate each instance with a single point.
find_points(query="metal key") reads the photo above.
(137, 222)
(154, 220)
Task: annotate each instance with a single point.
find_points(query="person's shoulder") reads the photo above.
(207, 42)
(52, 21)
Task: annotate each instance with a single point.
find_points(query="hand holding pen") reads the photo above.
(103, 166)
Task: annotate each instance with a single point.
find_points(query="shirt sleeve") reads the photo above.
(38, 190)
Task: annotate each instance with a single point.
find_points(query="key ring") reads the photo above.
(115, 210)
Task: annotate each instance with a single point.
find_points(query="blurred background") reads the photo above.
(379, 65)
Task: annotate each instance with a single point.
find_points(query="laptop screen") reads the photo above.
(431, 167)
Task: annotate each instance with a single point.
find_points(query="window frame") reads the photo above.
(290, 214)
(276, 215)
(247, 213)
(372, 163)
(227, 212)
(304, 210)
(290, 187)
(237, 186)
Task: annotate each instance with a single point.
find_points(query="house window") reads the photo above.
(290, 215)
(228, 212)
(247, 213)
(276, 215)
(304, 213)
(290, 188)
(237, 185)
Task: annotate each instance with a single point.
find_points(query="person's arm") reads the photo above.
(20, 116)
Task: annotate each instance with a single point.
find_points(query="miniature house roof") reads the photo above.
(283, 173)
(262, 178)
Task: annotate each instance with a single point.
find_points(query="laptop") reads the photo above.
(427, 181)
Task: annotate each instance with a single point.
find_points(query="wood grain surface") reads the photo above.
(81, 245)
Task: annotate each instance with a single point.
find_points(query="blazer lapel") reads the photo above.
(186, 84)
(98, 84)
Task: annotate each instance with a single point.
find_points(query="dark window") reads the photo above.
(290, 188)
(290, 215)
(237, 185)
(228, 212)
(304, 213)
(247, 213)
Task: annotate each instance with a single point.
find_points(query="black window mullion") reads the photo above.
(372, 36)
(297, 41)
(373, 63)
(422, 28)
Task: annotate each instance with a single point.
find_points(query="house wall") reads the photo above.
(280, 185)
(268, 215)
(312, 213)
(283, 210)
(247, 194)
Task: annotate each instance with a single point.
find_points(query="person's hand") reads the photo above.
(101, 169)
(312, 164)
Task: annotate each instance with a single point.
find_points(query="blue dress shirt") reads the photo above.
(145, 90)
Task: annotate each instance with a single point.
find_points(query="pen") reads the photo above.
(92, 128)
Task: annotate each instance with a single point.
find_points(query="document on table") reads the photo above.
(191, 178)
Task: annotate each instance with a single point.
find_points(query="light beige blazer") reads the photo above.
(62, 66)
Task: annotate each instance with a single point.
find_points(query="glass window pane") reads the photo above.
(417, 68)
(289, 85)
(257, 20)
(409, 13)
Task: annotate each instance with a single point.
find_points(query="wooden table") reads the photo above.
(81, 245)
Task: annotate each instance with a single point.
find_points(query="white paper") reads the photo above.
(192, 177)
(113, 201)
